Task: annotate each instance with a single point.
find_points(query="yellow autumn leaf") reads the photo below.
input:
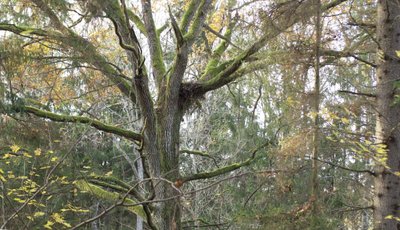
(345, 120)
(59, 219)
(389, 217)
(15, 148)
(19, 200)
(27, 155)
(38, 152)
(38, 214)
(109, 173)
(48, 225)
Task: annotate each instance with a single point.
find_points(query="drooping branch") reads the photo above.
(83, 46)
(84, 120)
(88, 52)
(28, 31)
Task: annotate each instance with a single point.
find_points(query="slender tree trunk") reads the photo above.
(315, 152)
(139, 168)
(387, 185)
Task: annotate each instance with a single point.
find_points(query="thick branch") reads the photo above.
(223, 170)
(198, 21)
(84, 120)
(188, 15)
(212, 65)
(157, 60)
(137, 21)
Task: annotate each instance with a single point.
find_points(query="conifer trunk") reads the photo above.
(387, 185)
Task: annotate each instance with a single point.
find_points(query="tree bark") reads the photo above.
(387, 185)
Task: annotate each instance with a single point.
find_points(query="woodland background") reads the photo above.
(224, 114)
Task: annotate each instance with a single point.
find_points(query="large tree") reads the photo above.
(154, 78)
